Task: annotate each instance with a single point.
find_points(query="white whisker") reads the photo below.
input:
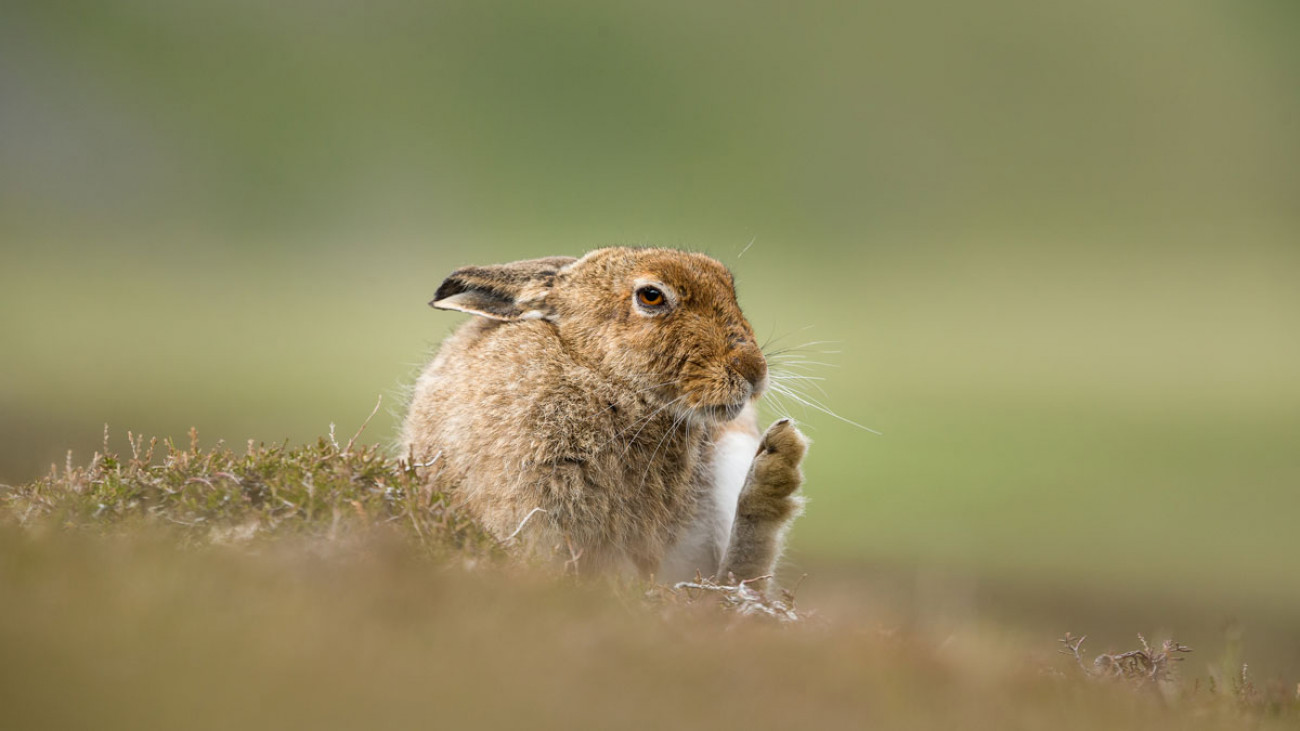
(816, 405)
(793, 376)
(774, 340)
(643, 422)
(804, 364)
(681, 416)
(804, 346)
(813, 381)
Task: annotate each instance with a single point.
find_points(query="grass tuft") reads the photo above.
(222, 496)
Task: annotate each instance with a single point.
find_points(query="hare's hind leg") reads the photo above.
(767, 504)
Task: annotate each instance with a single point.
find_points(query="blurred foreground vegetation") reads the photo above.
(322, 586)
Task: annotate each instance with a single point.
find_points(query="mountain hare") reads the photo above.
(602, 409)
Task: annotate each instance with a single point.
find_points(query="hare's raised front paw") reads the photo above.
(775, 473)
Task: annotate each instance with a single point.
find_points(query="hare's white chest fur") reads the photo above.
(731, 460)
(612, 398)
(703, 543)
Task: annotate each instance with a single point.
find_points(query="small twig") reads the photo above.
(795, 589)
(1074, 645)
(416, 524)
(574, 556)
(790, 593)
(429, 463)
(524, 522)
(706, 586)
(364, 424)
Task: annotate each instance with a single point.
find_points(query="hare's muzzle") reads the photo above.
(753, 368)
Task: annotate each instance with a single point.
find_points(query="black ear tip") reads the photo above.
(453, 284)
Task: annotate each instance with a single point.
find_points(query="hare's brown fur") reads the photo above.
(570, 395)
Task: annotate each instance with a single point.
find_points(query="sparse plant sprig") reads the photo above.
(1152, 668)
(1141, 666)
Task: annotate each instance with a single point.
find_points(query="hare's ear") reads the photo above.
(515, 291)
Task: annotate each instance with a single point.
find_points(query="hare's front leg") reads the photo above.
(767, 504)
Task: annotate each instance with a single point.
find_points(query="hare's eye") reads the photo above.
(650, 297)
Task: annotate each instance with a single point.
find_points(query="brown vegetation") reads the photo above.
(319, 586)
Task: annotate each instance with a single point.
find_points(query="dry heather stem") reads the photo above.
(1145, 665)
(739, 597)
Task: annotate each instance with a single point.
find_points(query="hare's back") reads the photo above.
(502, 392)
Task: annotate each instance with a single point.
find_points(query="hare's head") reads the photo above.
(665, 322)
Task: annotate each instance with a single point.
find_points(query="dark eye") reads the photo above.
(650, 297)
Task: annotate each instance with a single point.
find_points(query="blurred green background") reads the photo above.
(1053, 246)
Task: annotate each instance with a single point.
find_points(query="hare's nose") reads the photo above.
(751, 368)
